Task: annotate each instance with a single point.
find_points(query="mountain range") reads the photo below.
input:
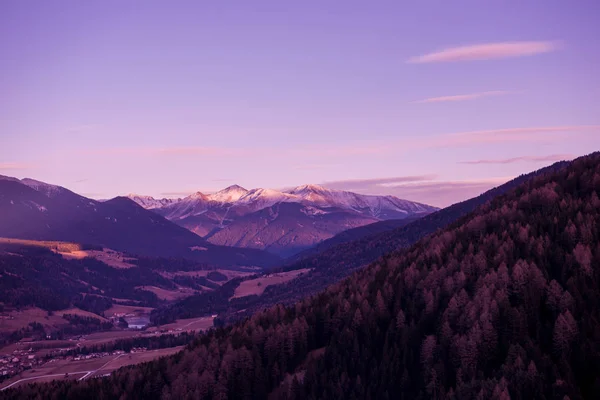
(35, 210)
(281, 222)
(502, 303)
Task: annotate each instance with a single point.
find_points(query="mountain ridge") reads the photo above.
(35, 210)
(253, 218)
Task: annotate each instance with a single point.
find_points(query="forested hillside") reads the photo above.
(336, 261)
(504, 303)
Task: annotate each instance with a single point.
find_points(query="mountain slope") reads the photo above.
(352, 235)
(35, 210)
(502, 304)
(285, 228)
(336, 263)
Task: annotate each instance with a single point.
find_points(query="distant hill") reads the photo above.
(502, 304)
(35, 210)
(351, 235)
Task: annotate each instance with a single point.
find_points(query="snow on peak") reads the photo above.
(228, 195)
(309, 188)
(257, 199)
(234, 188)
(235, 200)
(42, 187)
(196, 196)
(149, 202)
(372, 204)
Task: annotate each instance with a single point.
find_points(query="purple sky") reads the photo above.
(433, 102)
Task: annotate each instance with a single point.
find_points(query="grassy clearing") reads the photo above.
(169, 295)
(190, 324)
(257, 286)
(17, 319)
(109, 257)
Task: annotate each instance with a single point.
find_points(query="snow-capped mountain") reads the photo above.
(149, 202)
(257, 218)
(42, 187)
(376, 206)
(228, 195)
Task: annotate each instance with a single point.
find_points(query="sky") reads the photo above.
(432, 101)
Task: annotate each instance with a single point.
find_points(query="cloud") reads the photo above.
(424, 188)
(505, 135)
(170, 151)
(463, 97)
(549, 158)
(356, 149)
(487, 51)
(365, 184)
(458, 139)
(15, 166)
(445, 193)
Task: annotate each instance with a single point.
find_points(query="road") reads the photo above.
(43, 376)
(99, 369)
(86, 374)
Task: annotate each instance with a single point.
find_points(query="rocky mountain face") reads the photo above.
(281, 222)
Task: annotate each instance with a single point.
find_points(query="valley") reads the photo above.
(74, 312)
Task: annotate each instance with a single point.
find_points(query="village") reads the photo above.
(29, 359)
(23, 360)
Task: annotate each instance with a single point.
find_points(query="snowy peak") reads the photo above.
(149, 202)
(229, 195)
(196, 196)
(310, 188)
(376, 206)
(235, 201)
(262, 198)
(45, 188)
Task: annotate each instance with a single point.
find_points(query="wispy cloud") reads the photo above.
(536, 134)
(487, 51)
(426, 188)
(15, 166)
(365, 184)
(509, 134)
(549, 158)
(463, 97)
(360, 148)
(170, 151)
